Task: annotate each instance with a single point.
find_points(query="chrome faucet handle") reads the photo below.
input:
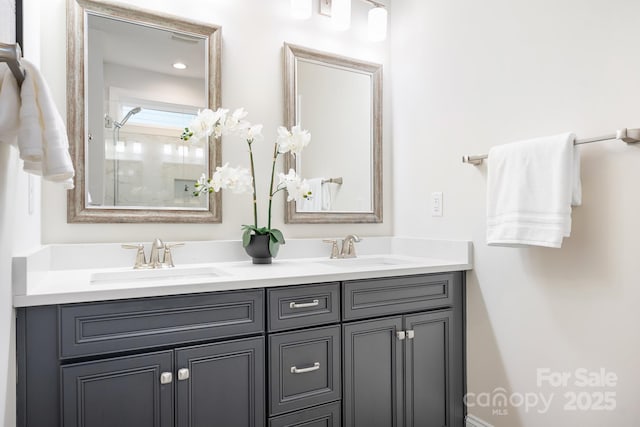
(349, 247)
(141, 261)
(155, 260)
(334, 248)
(168, 258)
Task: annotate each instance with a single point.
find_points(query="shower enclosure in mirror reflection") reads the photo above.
(338, 100)
(145, 78)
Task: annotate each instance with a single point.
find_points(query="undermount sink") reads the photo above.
(155, 274)
(365, 262)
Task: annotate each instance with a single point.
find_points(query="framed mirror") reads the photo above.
(136, 79)
(339, 100)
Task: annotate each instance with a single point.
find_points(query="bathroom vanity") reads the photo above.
(380, 342)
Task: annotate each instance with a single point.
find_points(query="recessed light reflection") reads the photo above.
(180, 66)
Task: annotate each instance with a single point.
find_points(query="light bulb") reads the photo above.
(301, 9)
(341, 15)
(377, 24)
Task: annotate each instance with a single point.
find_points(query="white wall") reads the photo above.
(468, 75)
(253, 32)
(19, 226)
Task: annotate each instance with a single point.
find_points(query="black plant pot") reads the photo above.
(258, 249)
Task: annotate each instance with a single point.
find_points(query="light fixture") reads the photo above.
(377, 24)
(341, 14)
(179, 66)
(301, 9)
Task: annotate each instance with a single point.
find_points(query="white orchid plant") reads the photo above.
(209, 123)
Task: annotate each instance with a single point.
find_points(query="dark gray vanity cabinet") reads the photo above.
(384, 352)
(221, 384)
(405, 370)
(192, 360)
(119, 391)
(305, 355)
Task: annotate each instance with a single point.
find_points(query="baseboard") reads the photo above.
(476, 422)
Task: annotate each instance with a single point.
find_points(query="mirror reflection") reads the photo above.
(140, 97)
(338, 100)
(137, 78)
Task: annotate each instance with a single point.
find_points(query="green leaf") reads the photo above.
(246, 236)
(277, 234)
(274, 247)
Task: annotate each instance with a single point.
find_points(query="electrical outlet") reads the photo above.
(436, 203)
(325, 7)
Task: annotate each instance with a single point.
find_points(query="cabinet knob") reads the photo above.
(410, 334)
(166, 378)
(401, 335)
(183, 374)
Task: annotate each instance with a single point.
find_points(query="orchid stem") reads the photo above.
(273, 172)
(253, 184)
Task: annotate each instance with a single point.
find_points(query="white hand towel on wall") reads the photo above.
(42, 136)
(9, 106)
(314, 203)
(531, 186)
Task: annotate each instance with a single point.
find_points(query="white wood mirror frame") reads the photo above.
(77, 203)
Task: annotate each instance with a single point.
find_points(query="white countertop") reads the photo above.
(56, 274)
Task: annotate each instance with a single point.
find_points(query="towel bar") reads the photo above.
(630, 136)
(11, 54)
(333, 180)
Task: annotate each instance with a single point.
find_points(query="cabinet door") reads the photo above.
(221, 385)
(124, 391)
(428, 378)
(373, 393)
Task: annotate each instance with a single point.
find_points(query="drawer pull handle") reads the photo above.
(315, 367)
(183, 374)
(313, 303)
(166, 378)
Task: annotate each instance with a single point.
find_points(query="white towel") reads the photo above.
(325, 193)
(531, 186)
(313, 203)
(42, 136)
(9, 106)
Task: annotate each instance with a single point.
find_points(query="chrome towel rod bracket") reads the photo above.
(11, 54)
(630, 136)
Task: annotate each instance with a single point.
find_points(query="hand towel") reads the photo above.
(326, 196)
(9, 106)
(42, 136)
(313, 203)
(531, 186)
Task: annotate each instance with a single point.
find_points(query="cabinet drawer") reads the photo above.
(299, 306)
(380, 297)
(107, 327)
(320, 416)
(304, 368)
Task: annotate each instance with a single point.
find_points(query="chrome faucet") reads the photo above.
(160, 256)
(348, 249)
(156, 257)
